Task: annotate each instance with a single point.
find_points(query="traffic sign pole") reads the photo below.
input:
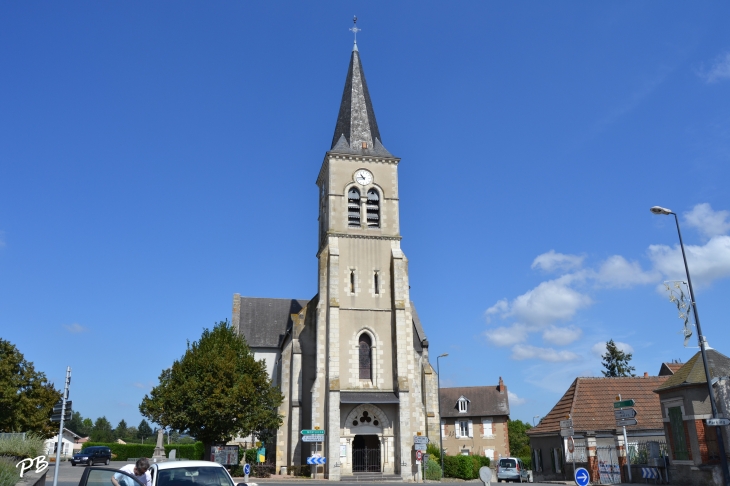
(60, 429)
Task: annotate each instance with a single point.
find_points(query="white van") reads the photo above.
(512, 469)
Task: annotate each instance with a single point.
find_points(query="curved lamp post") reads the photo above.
(441, 433)
(718, 430)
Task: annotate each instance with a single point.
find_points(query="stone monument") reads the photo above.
(159, 454)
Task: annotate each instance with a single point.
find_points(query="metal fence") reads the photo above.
(579, 452)
(649, 452)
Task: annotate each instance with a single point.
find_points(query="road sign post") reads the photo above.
(625, 416)
(59, 446)
(581, 477)
(246, 472)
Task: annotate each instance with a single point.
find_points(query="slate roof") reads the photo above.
(590, 402)
(264, 321)
(693, 371)
(483, 401)
(356, 120)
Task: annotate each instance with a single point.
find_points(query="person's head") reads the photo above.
(141, 466)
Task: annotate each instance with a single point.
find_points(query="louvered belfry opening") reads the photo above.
(353, 207)
(365, 358)
(373, 209)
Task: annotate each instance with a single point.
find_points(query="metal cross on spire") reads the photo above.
(354, 28)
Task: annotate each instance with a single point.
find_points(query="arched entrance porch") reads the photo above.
(366, 456)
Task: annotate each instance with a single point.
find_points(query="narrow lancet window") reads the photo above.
(373, 209)
(352, 281)
(353, 207)
(376, 281)
(365, 357)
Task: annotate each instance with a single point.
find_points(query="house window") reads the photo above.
(352, 281)
(353, 207)
(489, 453)
(376, 281)
(677, 430)
(487, 427)
(713, 453)
(373, 209)
(537, 460)
(463, 405)
(464, 428)
(365, 357)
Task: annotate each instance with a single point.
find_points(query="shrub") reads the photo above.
(461, 467)
(8, 473)
(432, 470)
(264, 470)
(528, 461)
(16, 446)
(125, 451)
(303, 470)
(251, 456)
(432, 450)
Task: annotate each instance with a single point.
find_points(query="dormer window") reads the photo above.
(463, 405)
(353, 207)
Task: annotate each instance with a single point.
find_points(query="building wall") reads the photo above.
(480, 442)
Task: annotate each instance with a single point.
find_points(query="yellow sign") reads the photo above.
(316, 428)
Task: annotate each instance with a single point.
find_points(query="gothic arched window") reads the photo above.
(353, 207)
(365, 353)
(373, 209)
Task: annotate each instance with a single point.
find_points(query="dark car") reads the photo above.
(92, 455)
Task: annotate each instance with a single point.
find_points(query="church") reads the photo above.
(352, 363)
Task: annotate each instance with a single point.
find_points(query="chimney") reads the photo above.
(501, 385)
(646, 374)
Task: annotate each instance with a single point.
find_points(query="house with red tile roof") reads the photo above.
(589, 402)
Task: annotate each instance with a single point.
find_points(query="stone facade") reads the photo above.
(353, 361)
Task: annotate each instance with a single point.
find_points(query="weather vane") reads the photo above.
(354, 28)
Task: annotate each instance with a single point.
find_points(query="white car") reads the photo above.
(173, 473)
(512, 469)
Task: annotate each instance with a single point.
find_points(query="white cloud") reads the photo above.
(74, 328)
(709, 222)
(550, 301)
(561, 335)
(599, 349)
(707, 263)
(507, 336)
(616, 271)
(552, 261)
(719, 70)
(514, 399)
(525, 351)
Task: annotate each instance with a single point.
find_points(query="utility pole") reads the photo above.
(59, 444)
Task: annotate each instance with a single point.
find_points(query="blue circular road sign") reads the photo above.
(247, 469)
(582, 478)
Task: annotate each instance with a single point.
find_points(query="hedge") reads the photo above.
(464, 467)
(122, 452)
(432, 470)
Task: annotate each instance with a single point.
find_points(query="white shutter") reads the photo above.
(471, 428)
(457, 426)
(487, 426)
(443, 429)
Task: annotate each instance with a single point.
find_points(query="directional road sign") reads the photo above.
(582, 478)
(719, 421)
(625, 422)
(420, 439)
(312, 432)
(624, 403)
(58, 406)
(316, 460)
(566, 424)
(313, 438)
(626, 413)
(567, 432)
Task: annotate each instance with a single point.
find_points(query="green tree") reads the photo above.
(26, 396)
(121, 431)
(144, 430)
(519, 442)
(77, 424)
(215, 391)
(102, 431)
(616, 362)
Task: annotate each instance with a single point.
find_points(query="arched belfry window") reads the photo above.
(353, 207)
(373, 209)
(365, 352)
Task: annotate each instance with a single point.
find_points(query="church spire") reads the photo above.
(357, 130)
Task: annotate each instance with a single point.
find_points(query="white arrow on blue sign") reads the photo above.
(247, 469)
(582, 478)
(316, 460)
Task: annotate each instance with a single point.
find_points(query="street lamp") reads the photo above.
(718, 430)
(441, 432)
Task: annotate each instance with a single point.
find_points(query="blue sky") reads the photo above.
(156, 158)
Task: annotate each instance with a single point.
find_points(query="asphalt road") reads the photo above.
(70, 475)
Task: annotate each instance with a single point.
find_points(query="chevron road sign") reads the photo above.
(316, 460)
(649, 473)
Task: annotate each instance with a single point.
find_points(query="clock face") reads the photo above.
(363, 177)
